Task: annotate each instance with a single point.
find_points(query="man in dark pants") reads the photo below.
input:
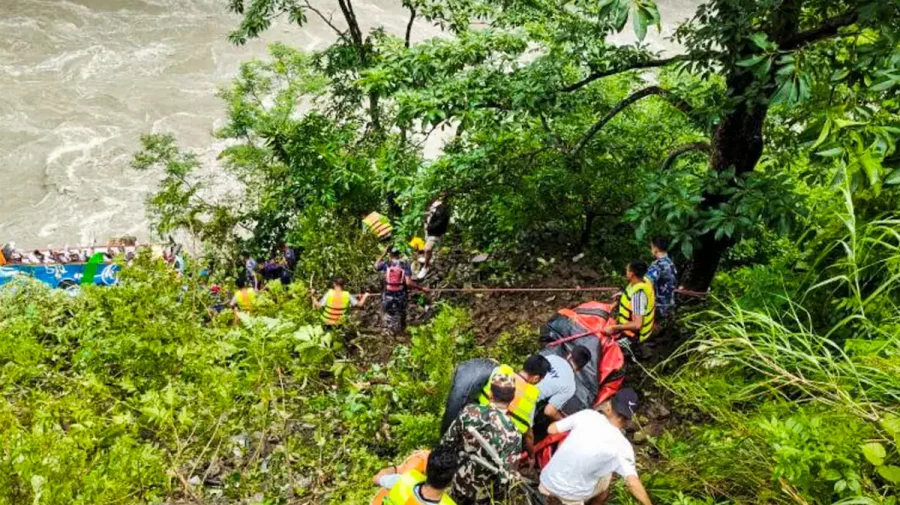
(396, 285)
(436, 222)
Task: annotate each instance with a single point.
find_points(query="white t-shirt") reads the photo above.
(594, 449)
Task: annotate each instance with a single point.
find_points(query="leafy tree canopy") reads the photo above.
(551, 128)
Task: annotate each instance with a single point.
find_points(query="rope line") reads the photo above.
(607, 289)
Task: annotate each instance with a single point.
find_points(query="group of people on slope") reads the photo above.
(397, 286)
(478, 455)
(494, 435)
(253, 277)
(398, 281)
(647, 301)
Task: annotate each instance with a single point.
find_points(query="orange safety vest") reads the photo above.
(378, 224)
(404, 492)
(417, 461)
(246, 298)
(336, 304)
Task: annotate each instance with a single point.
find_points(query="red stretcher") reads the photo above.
(600, 379)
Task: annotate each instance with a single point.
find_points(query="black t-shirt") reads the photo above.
(438, 218)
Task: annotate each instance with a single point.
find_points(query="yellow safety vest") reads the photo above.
(246, 298)
(625, 311)
(336, 304)
(378, 224)
(403, 492)
(521, 410)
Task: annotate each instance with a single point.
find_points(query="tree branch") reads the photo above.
(828, 28)
(678, 151)
(327, 20)
(634, 66)
(634, 97)
(353, 25)
(412, 17)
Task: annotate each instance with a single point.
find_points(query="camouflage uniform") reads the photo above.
(665, 278)
(473, 481)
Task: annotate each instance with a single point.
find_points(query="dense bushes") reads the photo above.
(133, 394)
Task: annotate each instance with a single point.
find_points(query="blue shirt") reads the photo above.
(665, 278)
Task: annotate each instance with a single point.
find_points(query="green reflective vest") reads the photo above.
(404, 491)
(625, 309)
(521, 410)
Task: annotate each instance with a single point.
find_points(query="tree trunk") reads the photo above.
(737, 144)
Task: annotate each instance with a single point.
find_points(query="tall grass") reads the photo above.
(822, 357)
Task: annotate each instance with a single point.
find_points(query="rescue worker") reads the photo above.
(559, 385)
(437, 220)
(250, 266)
(664, 275)
(415, 487)
(473, 482)
(245, 297)
(635, 314)
(396, 285)
(581, 470)
(336, 302)
(521, 409)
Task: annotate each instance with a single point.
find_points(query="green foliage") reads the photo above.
(332, 245)
(550, 143)
(770, 143)
(802, 368)
(132, 394)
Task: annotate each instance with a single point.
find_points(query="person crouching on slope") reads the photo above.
(473, 482)
(559, 384)
(412, 487)
(581, 470)
(636, 309)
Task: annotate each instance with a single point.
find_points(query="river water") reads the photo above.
(81, 80)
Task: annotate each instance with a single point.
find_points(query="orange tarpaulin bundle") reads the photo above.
(378, 224)
(416, 461)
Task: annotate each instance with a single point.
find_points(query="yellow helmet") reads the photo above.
(417, 244)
